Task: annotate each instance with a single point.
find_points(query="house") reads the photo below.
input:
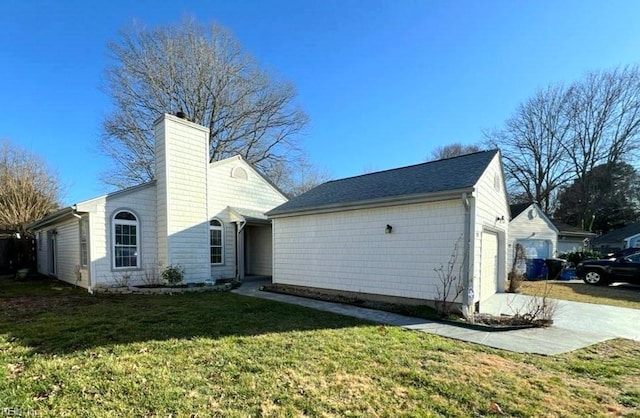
(531, 228)
(206, 217)
(540, 236)
(384, 234)
(572, 238)
(618, 239)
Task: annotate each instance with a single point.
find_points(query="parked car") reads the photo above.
(604, 272)
(623, 253)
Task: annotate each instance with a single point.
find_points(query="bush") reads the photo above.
(576, 257)
(173, 274)
(515, 277)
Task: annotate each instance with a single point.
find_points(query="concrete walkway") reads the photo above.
(576, 325)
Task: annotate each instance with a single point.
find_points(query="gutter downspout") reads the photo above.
(467, 297)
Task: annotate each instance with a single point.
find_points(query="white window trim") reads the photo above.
(221, 229)
(84, 221)
(115, 221)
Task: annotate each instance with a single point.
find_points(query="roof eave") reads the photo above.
(52, 218)
(374, 203)
(577, 234)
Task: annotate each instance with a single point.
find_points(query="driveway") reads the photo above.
(587, 318)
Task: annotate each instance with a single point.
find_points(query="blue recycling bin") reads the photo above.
(536, 269)
(568, 274)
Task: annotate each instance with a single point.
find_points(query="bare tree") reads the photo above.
(203, 72)
(604, 111)
(28, 189)
(562, 133)
(453, 150)
(532, 147)
(298, 177)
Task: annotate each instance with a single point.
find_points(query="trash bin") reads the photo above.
(536, 268)
(554, 267)
(568, 274)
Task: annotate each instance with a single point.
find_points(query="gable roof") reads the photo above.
(447, 175)
(257, 171)
(618, 235)
(571, 231)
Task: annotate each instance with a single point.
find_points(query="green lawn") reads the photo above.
(623, 295)
(64, 352)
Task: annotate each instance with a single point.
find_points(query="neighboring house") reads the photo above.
(206, 217)
(572, 238)
(532, 229)
(542, 237)
(618, 239)
(385, 233)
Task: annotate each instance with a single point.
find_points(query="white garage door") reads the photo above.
(489, 266)
(536, 248)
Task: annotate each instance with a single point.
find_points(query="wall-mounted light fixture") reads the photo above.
(500, 219)
(388, 229)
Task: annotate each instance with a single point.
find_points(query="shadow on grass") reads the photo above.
(53, 317)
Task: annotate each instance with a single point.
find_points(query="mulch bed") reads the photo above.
(480, 321)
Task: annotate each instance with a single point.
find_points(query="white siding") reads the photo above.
(531, 224)
(490, 203)
(350, 250)
(252, 192)
(43, 252)
(181, 171)
(259, 250)
(141, 202)
(68, 251)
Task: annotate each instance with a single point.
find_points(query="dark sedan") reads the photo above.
(604, 272)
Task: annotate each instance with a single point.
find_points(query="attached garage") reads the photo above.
(386, 233)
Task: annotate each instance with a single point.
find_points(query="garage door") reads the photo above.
(489, 266)
(536, 248)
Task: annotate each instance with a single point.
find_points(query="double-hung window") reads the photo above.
(126, 240)
(216, 237)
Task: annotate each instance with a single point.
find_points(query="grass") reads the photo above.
(64, 352)
(626, 296)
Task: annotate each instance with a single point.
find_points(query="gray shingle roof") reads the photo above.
(618, 235)
(518, 208)
(570, 230)
(415, 180)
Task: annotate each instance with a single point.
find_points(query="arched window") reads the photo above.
(239, 173)
(216, 235)
(126, 240)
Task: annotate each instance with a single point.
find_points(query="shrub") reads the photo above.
(516, 277)
(451, 284)
(173, 274)
(575, 257)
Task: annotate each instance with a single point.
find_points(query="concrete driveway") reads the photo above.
(584, 318)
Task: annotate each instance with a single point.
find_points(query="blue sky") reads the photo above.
(384, 82)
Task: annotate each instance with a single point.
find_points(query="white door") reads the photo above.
(489, 265)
